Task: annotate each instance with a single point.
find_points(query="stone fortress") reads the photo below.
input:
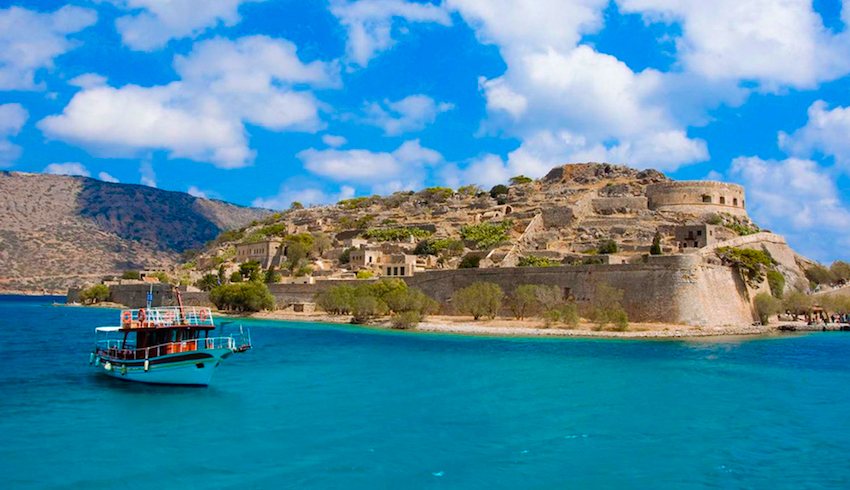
(561, 220)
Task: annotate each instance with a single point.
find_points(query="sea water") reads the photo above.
(319, 406)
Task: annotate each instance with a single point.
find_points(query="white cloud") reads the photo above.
(30, 41)
(369, 23)
(333, 141)
(366, 166)
(195, 192)
(147, 175)
(107, 178)
(827, 132)
(409, 114)
(88, 80)
(309, 196)
(12, 119)
(224, 85)
(155, 22)
(796, 198)
(775, 43)
(70, 168)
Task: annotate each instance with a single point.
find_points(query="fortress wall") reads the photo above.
(688, 197)
(674, 289)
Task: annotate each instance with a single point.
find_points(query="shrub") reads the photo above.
(131, 275)
(523, 302)
(534, 261)
(236, 277)
(296, 253)
(840, 271)
(435, 247)
(487, 235)
(741, 228)
(468, 190)
(796, 302)
(207, 282)
(296, 205)
(776, 281)
(345, 256)
(395, 234)
(403, 300)
(364, 274)
(750, 263)
(95, 294)
(479, 299)
(247, 296)
(366, 307)
(470, 262)
(336, 300)
(272, 276)
(607, 246)
(766, 306)
(655, 249)
(163, 277)
(405, 320)
(607, 307)
(714, 219)
(436, 194)
(520, 179)
(498, 190)
(230, 236)
(250, 270)
(818, 274)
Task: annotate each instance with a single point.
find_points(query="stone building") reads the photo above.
(697, 197)
(401, 265)
(693, 238)
(364, 257)
(268, 253)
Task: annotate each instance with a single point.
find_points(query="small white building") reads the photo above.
(399, 266)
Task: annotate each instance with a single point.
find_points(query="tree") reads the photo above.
(766, 306)
(272, 276)
(131, 275)
(840, 271)
(470, 262)
(608, 246)
(405, 320)
(468, 190)
(296, 252)
(411, 299)
(336, 300)
(523, 302)
(520, 179)
(250, 270)
(797, 303)
(345, 256)
(208, 282)
(606, 307)
(95, 294)
(236, 277)
(321, 243)
(818, 274)
(296, 205)
(498, 190)
(246, 296)
(221, 277)
(365, 308)
(162, 277)
(479, 299)
(655, 249)
(776, 281)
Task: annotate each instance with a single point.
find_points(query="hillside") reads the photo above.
(57, 230)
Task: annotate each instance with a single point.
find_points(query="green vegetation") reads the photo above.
(369, 301)
(750, 263)
(189, 265)
(364, 274)
(742, 229)
(520, 179)
(607, 247)
(246, 296)
(396, 234)
(405, 320)
(840, 271)
(250, 270)
(534, 261)
(498, 190)
(229, 236)
(818, 274)
(714, 219)
(445, 246)
(236, 277)
(776, 281)
(607, 308)
(94, 294)
(207, 282)
(163, 277)
(272, 276)
(296, 206)
(345, 256)
(487, 235)
(360, 202)
(766, 306)
(479, 299)
(523, 302)
(655, 249)
(471, 261)
(436, 194)
(796, 302)
(131, 275)
(468, 190)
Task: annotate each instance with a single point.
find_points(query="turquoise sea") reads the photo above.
(316, 406)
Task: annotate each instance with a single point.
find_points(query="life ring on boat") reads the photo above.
(126, 317)
(203, 316)
(142, 316)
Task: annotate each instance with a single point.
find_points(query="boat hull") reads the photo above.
(188, 368)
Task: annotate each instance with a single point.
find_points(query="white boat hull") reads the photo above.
(188, 368)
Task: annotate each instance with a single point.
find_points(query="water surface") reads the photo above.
(317, 406)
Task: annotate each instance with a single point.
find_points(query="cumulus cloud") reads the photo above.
(12, 119)
(107, 178)
(369, 23)
(70, 168)
(195, 192)
(826, 132)
(224, 85)
(146, 174)
(409, 114)
(333, 141)
(306, 196)
(153, 23)
(30, 41)
(365, 166)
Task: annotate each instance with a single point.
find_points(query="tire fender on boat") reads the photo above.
(147, 365)
(108, 366)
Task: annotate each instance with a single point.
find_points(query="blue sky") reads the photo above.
(265, 102)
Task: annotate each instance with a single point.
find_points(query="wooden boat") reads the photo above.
(168, 345)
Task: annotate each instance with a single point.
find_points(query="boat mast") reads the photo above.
(179, 302)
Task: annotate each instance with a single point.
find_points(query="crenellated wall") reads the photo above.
(697, 197)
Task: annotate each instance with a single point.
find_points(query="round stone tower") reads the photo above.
(697, 197)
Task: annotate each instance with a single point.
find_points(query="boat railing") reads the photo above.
(117, 350)
(167, 316)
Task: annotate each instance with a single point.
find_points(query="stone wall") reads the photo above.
(619, 205)
(691, 196)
